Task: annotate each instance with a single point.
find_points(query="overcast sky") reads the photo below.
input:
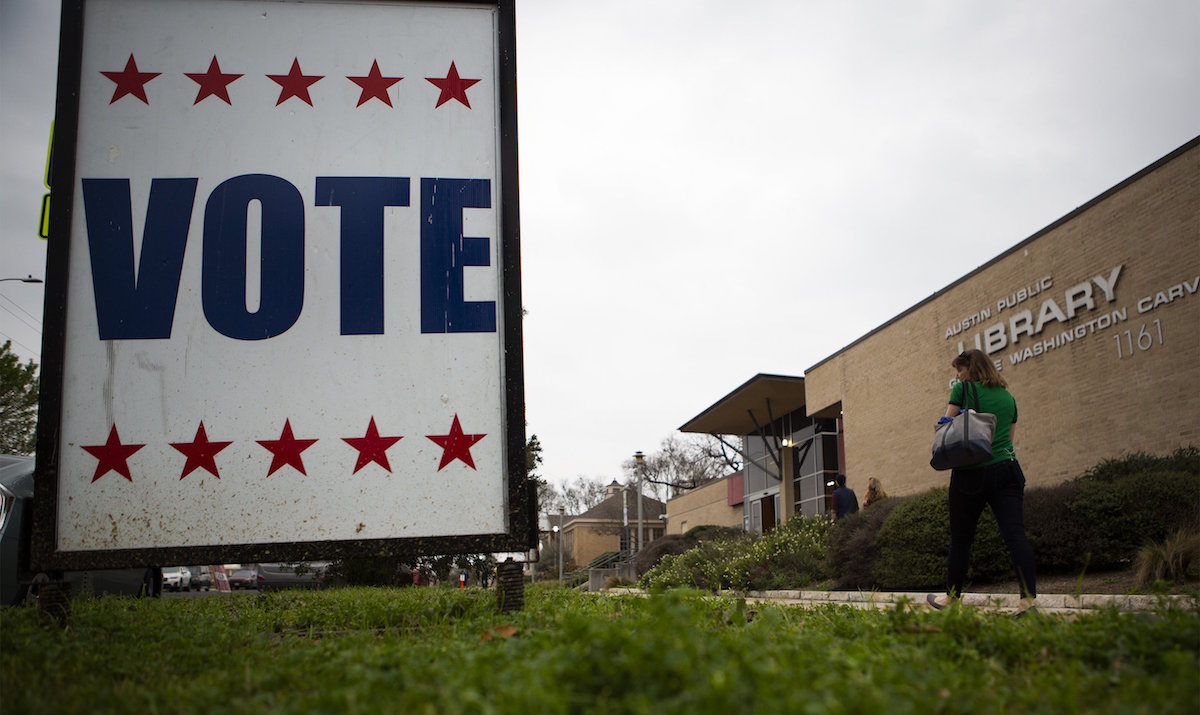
(710, 190)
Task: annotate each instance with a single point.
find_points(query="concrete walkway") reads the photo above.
(1047, 603)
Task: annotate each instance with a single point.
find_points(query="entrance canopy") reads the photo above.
(751, 406)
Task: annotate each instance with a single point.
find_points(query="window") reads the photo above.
(814, 464)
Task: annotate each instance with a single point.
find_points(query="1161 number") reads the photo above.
(1144, 339)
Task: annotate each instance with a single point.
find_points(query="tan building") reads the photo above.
(717, 503)
(1094, 322)
(611, 526)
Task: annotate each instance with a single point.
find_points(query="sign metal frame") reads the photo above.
(519, 494)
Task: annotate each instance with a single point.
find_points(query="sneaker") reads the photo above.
(1026, 606)
(940, 602)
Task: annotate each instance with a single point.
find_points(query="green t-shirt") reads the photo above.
(995, 401)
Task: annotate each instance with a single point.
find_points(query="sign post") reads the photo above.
(283, 289)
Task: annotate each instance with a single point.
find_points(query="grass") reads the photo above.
(434, 650)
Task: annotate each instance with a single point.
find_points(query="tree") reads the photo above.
(681, 464)
(573, 497)
(533, 456)
(581, 494)
(18, 403)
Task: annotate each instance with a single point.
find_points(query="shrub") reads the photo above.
(1059, 541)
(702, 567)
(652, 554)
(1123, 511)
(1184, 459)
(789, 555)
(1098, 520)
(1175, 559)
(617, 582)
(915, 538)
(853, 547)
(709, 532)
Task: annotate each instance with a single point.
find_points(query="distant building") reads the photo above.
(602, 529)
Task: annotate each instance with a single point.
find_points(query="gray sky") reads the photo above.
(714, 189)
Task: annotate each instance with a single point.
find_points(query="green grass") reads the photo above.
(375, 650)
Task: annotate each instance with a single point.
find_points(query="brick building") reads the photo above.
(1094, 322)
(717, 503)
(611, 525)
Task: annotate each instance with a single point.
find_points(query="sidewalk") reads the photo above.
(1051, 603)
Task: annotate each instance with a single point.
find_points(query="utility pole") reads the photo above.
(638, 462)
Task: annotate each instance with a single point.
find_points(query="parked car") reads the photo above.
(176, 578)
(243, 579)
(201, 578)
(16, 504)
(303, 574)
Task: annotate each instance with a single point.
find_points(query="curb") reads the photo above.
(1006, 603)
(1046, 603)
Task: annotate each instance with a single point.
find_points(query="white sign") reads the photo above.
(285, 291)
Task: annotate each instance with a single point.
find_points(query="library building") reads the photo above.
(1093, 321)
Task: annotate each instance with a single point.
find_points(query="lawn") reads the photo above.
(441, 650)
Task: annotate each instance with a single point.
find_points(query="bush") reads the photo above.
(790, 555)
(1175, 559)
(701, 567)
(653, 553)
(1058, 540)
(915, 537)
(1184, 459)
(1098, 520)
(1121, 512)
(853, 548)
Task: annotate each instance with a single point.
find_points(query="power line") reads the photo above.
(20, 319)
(18, 307)
(18, 342)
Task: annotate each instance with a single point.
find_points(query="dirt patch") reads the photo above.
(1109, 582)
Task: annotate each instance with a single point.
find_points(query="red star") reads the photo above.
(286, 449)
(200, 453)
(453, 87)
(213, 83)
(113, 455)
(372, 447)
(374, 86)
(130, 81)
(295, 83)
(456, 445)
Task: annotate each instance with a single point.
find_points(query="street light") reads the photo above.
(639, 460)
(26, 279)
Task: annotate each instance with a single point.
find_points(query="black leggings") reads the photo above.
(1001, 486)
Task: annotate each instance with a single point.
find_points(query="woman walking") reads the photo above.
(998, 483)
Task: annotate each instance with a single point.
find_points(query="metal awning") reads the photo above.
(750, 407)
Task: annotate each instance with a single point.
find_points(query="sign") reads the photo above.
(1038, 322)
(284, 256)
(44, 217)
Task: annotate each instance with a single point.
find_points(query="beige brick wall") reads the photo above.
(704, 506)
(587, 539)
(1078, 403)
